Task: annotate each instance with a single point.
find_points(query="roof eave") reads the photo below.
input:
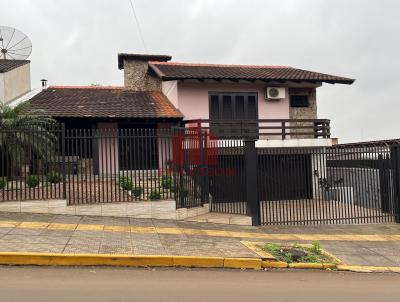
(143, 57)
(157, 71)
(345, 81)
(169, 78)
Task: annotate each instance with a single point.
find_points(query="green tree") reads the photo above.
(23, 133)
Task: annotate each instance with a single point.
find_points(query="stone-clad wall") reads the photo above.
(304, 113)
(136, 76)
(309, 112)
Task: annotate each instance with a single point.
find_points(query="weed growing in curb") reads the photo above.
(297, 253)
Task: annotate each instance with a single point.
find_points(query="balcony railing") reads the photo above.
(264, 128)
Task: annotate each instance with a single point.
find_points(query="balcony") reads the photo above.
(264, 129)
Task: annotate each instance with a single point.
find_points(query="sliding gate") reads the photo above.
(335, 185)
(327, 185)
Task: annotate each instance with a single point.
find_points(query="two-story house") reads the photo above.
(275, 104)
(158, 91)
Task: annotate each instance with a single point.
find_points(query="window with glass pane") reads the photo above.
(239, 107)
(231, 107)
(299, 101)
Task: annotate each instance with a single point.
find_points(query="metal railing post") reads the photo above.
(203, 171)
(283, 130)
(250, 156)
(395, 157)
(328, 129)
(63, 161)
(315, 129)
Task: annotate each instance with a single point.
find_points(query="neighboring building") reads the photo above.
(15, 79)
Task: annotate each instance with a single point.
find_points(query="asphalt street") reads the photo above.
(123, 284)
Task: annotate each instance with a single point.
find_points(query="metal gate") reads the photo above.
(209, 170)
(336, 185)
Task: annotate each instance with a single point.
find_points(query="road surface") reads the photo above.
(123, 284)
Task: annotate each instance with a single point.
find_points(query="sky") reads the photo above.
(76, 42)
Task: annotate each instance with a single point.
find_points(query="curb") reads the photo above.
(278, 264)
(54, 259)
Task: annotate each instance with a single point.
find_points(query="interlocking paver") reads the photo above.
(61, 233)
(25, 232)
(115, 249)
(79, 249)
(141, 222)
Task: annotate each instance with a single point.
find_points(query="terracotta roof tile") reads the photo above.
(102, 102)
(182, 71)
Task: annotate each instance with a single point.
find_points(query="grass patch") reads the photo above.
(297, 253)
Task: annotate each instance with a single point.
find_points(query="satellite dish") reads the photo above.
(14, 45)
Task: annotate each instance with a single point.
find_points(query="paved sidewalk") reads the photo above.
(375, 245)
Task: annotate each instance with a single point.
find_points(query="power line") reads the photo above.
(138, 25)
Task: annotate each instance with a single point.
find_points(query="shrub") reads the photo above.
(155, 195)
(167, 182)
(3, 182)
(54, 177)
(32, 181)
(125, 183)
(137, 191)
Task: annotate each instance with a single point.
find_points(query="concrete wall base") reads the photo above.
(162, 209)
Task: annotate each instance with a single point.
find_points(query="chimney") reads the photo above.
(136, 71)
(44, 84)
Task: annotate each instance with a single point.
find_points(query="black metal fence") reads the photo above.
(227, 177)
(326, 185)
(88, 166)
(342, 184)
(308, 185)
(29, 160)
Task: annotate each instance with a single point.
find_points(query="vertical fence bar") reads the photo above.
(64, 186)
(395, 154)
(203, 167)
(251, 180)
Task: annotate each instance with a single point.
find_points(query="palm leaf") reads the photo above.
(25, 133)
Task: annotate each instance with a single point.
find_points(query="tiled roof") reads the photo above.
(102, 102)
(142, 57)
(182, 71)
(7, 65)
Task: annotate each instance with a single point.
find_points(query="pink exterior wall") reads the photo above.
(108, 148)
(192, 99)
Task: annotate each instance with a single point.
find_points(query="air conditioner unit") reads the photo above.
(275, 93)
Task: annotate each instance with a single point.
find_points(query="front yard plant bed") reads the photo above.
(298, 253)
